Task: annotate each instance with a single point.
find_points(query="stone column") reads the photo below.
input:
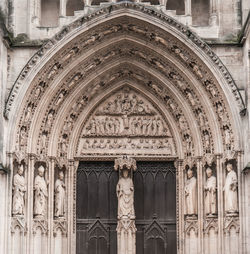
(71, 201)
(200, 204)
(63, 4)
(188, 7)
(213, 13)
(220, 183)
(30, 174)
(180, 203)
(126, 230)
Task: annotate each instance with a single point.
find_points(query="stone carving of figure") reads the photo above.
(191, 194)
(19, 189)
(28, 113)
(40, 194)
(210, 192)
(230, 190)
(60, 195)
(125, 195)
(126, 230)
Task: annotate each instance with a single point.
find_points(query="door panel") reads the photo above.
(155, 208)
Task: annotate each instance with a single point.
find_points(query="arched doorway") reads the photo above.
(67, 90)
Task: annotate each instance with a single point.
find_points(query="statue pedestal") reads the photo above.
(126, 233)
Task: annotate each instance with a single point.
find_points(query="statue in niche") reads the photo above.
(230, 191)
(210, 193)
(19, 189)
(40, 194)
(126, 230)
(125, 195)
(60, 189)
(191, 194)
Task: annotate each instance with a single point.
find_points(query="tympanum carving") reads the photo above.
(126, 121)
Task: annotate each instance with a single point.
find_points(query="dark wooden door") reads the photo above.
(155, 208)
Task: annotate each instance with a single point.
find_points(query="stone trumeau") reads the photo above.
(158, 91)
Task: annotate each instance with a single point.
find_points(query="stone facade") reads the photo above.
(97, 81)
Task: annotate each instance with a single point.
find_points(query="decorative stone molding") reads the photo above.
(60, 224)
(191, 224)
(125, 162)
(19, 222)
(231, 222)
(42, 224)
(210, 223)
(102, 12)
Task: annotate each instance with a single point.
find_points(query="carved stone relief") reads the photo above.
(40, 194)
(159, 64)
(210, 189)
(190, 191)
(126, 230)
(60, 191)
(19, 190)
(231, 191)
(126, 122)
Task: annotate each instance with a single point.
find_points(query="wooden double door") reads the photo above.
(154, 200)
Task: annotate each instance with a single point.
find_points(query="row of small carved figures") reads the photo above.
(127, 144)
(135, 126)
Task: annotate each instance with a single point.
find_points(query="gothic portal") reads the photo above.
(128, 82)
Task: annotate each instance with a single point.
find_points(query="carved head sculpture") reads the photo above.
(20, 170)
(229, 167)
(61, 175)
(125, 173)
(41, 170)
(209, 172)
(190, 173)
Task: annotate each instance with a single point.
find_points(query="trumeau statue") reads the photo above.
(191, 194)
(19, 189)
(126, 230)
(210, 193)
(60, 196)
(230, 191)
(40, 194)
(125, 195)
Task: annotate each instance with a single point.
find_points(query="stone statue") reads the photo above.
(191, 194)
(40, 194)
(230, 190)
(19, 189)
(210, 193)
(60, 196)
(125, 195)
(126, 230)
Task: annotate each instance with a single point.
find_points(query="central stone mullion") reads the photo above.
(126, 230)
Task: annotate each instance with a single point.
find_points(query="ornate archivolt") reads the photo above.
(69, 82)
(126, 82)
